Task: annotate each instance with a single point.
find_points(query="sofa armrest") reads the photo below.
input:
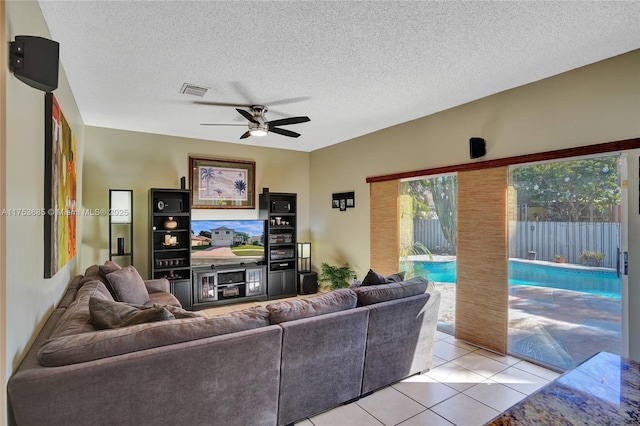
(158, 285)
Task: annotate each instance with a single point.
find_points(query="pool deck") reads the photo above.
(560, 328)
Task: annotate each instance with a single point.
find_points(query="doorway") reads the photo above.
(428, 237)
(566, 221)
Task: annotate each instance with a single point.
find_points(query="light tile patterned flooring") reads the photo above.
(466, 386)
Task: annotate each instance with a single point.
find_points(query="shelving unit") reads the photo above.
(170, 240)
(278, 209)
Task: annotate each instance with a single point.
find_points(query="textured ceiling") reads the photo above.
(353, 67)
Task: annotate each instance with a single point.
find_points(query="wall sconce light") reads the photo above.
(304, 257)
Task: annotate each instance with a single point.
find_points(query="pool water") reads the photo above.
(599, 282)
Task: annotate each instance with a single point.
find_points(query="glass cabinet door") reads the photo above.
(254, 282)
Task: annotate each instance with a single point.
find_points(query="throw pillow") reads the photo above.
(105, 269)
(106, 314)
(374, 278)
(395, 278)
(179, 312)
(128, 285)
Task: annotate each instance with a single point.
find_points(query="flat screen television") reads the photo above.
(226, 242)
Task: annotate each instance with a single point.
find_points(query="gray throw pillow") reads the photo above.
(374, 278)
(105, 269)
(128, 285)
(179, 312)
(106, 314)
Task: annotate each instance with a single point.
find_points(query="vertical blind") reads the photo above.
(482, 288)
(384, 232)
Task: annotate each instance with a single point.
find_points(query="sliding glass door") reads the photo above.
(428, 237)
(565, 240)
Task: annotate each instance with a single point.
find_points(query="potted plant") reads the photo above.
(337, 276)
(559, 258)
(531, 255)
(591, 258)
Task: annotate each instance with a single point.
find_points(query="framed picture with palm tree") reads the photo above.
(222, 184)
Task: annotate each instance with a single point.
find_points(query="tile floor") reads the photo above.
(466, 386)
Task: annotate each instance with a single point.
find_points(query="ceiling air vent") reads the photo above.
(192, 89)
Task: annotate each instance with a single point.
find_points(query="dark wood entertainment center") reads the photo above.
(208, 285)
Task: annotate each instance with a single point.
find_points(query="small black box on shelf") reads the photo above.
(168, 205)
(280, 207)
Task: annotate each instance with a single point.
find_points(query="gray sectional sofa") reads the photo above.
(270, 365)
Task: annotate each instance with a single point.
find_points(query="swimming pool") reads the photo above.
(600, 281)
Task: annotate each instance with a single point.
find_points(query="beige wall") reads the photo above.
(128, 160)
(3, 145)
(29, 297)
(594, 104)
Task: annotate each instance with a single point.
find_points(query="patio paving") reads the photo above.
(558, 328)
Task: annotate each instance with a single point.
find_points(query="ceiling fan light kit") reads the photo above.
(259, 126)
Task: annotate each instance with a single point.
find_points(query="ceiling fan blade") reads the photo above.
(287, 101)
(290, 120)
(247, 115)
(223, 104)
(245, 135)
(284, 132)
(219, 124)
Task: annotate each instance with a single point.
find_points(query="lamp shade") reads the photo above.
(305, 250)
(120, 202)
(304, 256)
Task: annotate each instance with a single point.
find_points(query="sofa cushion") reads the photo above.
(383, 292)
(77, 318)
(107, 343)
(334, 301)
(106, 314)
(128, 285)
(374, 278)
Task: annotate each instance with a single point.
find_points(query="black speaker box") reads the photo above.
(477, 147)
(34, 61)
(307, 282)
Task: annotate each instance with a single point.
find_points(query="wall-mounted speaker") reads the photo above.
(477, 148)
(34, 61)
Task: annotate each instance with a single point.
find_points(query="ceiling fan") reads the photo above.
(259, 126)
